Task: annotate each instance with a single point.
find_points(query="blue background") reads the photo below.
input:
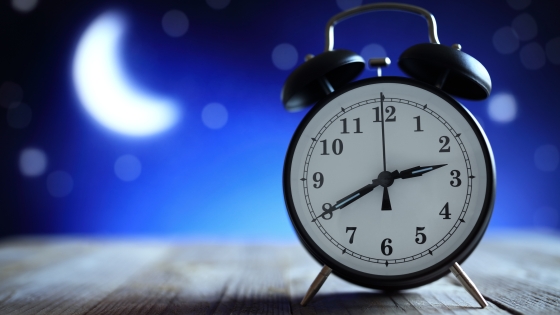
(225, 183)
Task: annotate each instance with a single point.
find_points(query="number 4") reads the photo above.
(445, 211)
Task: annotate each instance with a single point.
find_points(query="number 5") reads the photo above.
(422, 238)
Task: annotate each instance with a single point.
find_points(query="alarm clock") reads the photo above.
(389, 181)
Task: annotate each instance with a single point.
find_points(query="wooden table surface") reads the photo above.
(517, 272)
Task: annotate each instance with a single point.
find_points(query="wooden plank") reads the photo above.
(260, 286)
(188, 280)
(340, 297)
(73, 285)
(73, 276)
(519, 271)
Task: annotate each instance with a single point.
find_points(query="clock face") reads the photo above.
(389, 182)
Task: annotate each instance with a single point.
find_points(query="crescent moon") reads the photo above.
(105, 91)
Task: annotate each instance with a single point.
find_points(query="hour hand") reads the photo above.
(416, 171)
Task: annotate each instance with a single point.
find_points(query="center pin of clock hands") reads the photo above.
(384, 179)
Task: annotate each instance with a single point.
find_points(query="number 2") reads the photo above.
(445, 139)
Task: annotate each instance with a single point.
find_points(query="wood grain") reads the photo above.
(519, 273)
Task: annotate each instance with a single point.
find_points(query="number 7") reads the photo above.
(353, 229)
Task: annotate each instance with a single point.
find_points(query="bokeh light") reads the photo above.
(525, 26)
(553, 50)
(218, 4)
(214, 116)
(502, 107)
(348, 4)
(284, 56)
(128, 168)
(32, 162)
(373, 51)
(175, 23)
(11, 94)
(505, 40)
(24, 6)
(59, 184)
(519, 4)
(532, 56)
(547, 158)
(20, 116)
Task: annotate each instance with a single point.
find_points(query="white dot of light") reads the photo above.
(19, 117)
(128, 168)
(348, 4)
(547, 158)
(502, 108)
(284, 56)
(11, 94)
(373, 51)
(105, 91)
(217, 4)
(214, 116)
(519, 4)
(59, 184)
(175, 23)
(525, 26)
(24, 6)
(532, 56)
(546, 217)
(553, 50)
(32, 162)
(505, 40)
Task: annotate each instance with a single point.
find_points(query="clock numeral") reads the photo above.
(344, 128)
(386, 249)
(353, 229)
(418, 129)
(336, 147)
(445, 141)
(422, 238)
(318, 178)
(326, 207)
(455, 177)
(445, 211)
(389, 110)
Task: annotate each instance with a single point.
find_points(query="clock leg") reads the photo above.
(316, 285)
(468, 284)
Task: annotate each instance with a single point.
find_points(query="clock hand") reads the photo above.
(383, 132)
(386, 204)
(385, 179)
(349, 199)
(415, 171)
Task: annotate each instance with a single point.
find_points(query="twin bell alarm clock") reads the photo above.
(389, 182)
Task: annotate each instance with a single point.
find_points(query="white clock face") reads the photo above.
(388, 178)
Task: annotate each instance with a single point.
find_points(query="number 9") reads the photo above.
(318, 178)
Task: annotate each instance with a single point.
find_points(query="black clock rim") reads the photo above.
(421, 277)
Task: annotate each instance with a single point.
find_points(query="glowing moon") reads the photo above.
(104, 89)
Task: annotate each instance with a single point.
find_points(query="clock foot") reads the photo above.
(316, 285)
(468, 284)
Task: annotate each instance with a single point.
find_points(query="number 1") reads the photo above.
(417, 124)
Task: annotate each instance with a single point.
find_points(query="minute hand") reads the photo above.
(416, 171)
(350, 198)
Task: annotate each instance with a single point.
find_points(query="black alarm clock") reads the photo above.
(389, 181)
